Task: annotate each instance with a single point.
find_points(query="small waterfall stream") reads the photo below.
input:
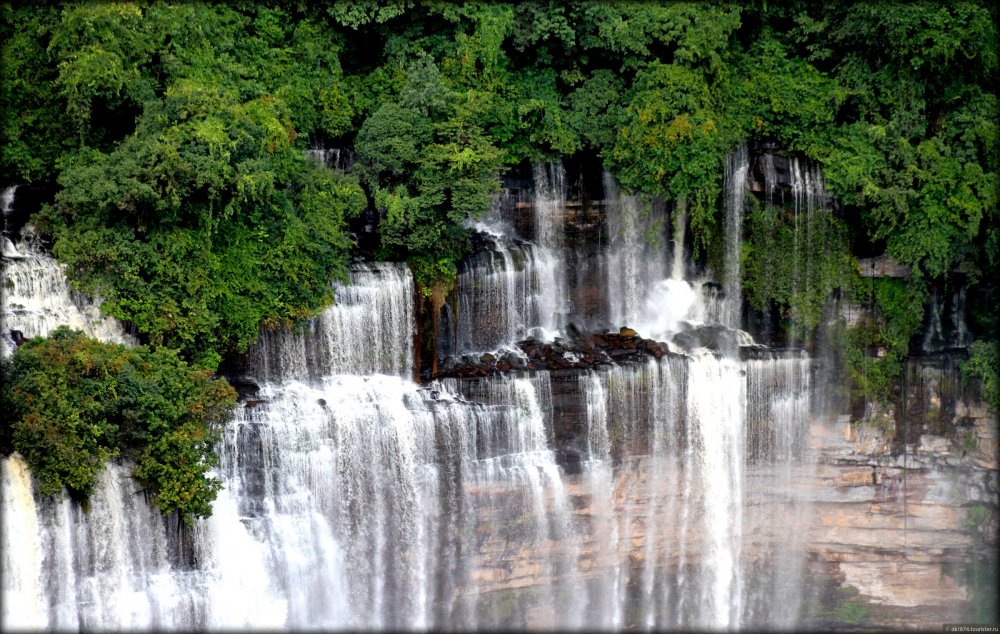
(38, 298)
(636, 257)
(736, 192)
(345, 338)
(549, 197)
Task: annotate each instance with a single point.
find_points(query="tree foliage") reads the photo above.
(203, 221)
(984, 364)
(71, 403)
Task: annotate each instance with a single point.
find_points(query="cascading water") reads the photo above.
(354, 498)
(345, 338)
(682, 511)
(516, 493)
(334, 158)
(119, 565)
(736, 192)
(23, 589)
(778, 404)
(809, 197)
(642, 293)
(549, 198)
(946, 328)
(495, 297)
(680, 224)
(636, 257)
(7, 206)
(38, 298)
(512, 288)
(500, 294)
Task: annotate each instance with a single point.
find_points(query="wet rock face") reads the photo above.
(899, 528)
(579, 351)
(246, 387)
(714, 337)
(770, 169)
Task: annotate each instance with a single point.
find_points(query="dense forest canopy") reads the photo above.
(170, 139)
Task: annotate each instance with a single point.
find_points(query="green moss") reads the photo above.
(845, 609)
(977, 515)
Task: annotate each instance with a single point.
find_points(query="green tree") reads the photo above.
(673, 143)
(430, 168)
(206, 221)
(72, 403)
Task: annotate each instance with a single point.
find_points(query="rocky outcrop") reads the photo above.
(900, 528)
(882, 266)
(580, 351)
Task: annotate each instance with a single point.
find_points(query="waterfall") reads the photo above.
(516, 491)
(354, 498)
(549, 198)
(642, 292)
(606, 596)
(400, 486)
(369, 328)
(118, 564)
(943, 330)
(736, 191)
(778, 388)
(512, 288)
(717, 423)
(359, 502)
(680, 224)
(501, 297)
(328, 479)
(7, 205)
(808, 195)
(495, 296)
(23, 589)
(706, 477)
(636, 257)
(333, 158)
(38, 298)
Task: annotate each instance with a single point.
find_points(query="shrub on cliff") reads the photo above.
(984, 363)
(70, 403)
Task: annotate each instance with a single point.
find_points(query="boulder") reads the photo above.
(714, 337)
(246, 386)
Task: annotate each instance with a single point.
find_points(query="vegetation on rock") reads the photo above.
(70, 403)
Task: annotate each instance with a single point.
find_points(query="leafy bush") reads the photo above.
(984, 362)
(71, 403)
